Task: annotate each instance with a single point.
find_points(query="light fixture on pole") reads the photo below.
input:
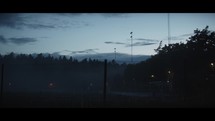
(131, 46)
(115, 53)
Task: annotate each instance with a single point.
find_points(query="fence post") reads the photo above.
(105, 81)
(2, 84)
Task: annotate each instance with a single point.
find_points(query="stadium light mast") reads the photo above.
(115, 53)
(131, 36)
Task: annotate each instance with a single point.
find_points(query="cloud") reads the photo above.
(147, 40)
(109, 42)
(106, 15)
(140, 44)
(186, 35)
(18, 21)
(70, 52)
(10, 20)
(3, 39)
(143, 42)
(17, 40)
(39, 26)
(56, 53)
(39, 21)
(181, 37)
(88, 51)
(69, 14)
(24, 40)
(114, 15)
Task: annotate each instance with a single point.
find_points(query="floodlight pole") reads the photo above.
(131, 36)
(115, 53)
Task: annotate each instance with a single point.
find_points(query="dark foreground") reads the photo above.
(54, 100)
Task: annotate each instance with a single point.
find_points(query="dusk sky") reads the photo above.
(89, 33)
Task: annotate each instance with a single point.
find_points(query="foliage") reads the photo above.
(188, 65)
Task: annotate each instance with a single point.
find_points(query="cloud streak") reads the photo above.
(18, 21)
(17, 40)
(69, 52)
(181, 37)
(39, 26)
(39, 21)
(118, 43)
(146, 40)
(140, 44)
(3, 39)
(87, 51)
(20, 41)
(114, 15)
(10, 20)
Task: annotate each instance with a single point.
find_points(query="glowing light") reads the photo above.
(51, 85)
(152, 76)
(212, 64)
(168, 81)
(169, 72)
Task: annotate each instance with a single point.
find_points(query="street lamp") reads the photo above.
(152, 76)
(212, 66)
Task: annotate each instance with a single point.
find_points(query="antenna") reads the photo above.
(169, 38)
(131, 46)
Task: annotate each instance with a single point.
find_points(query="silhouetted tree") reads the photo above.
(189, 63)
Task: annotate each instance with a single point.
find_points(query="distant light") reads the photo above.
(168, 81)
(169, 72)
(212, 64)
(91, 84)
(152, 76)
(51, 85)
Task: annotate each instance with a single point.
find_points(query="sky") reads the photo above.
(91, 33)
